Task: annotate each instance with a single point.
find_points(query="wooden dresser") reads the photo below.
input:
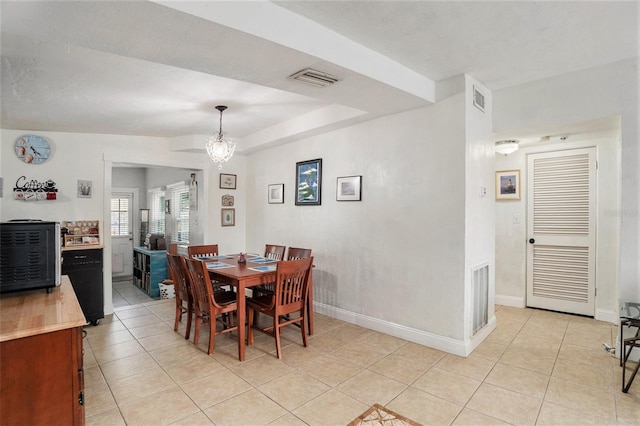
(41, 376)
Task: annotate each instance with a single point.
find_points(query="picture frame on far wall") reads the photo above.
(508, 185)
(275, 193)
(84, 188)
(309, 182)
(228, 217)
(349, 188)
(227, 181)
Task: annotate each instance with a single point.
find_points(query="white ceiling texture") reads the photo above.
(158, 68)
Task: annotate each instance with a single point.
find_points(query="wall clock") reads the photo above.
(32, 149)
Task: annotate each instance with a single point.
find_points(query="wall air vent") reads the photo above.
(315, 78)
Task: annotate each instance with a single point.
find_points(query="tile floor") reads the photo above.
(124, 293)
(537, 367)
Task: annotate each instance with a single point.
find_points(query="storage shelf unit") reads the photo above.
(82, 232)
(149, 269)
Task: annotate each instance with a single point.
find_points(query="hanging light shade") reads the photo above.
(219, 147)
(506, 147)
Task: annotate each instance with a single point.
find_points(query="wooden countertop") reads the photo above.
(82, 247)
(33, 312)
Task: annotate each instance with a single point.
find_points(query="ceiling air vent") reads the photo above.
(315, 78)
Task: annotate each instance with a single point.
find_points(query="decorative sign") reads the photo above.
(34, 190)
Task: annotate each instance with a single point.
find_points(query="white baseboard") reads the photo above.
(607, 315)
(446, 344)
(513, 301)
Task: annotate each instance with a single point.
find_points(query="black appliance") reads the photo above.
(30, 255)
(84, 268)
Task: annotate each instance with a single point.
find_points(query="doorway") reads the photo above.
(124, 202)
(561, 231)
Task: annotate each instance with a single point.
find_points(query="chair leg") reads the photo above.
(196, 334)
(303, 327)
(276, 332)
(178, 317)
(212, 335)
(250, 317)
(189, 316)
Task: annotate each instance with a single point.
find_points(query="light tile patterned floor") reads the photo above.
(537, 367)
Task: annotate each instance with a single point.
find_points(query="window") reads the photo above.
(120, 206)
(156, 211)
(179, 208)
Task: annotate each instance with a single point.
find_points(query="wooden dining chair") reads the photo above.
(292, 279)
(274, 252)
(209, 306)
(298, 253)
(206, 250)
(181, 283)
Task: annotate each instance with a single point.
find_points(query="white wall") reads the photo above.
(607, 91)
(131, 177)
(479, 202)
(395, 260)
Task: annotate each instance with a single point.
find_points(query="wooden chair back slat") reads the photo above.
(207, 250)
(296, 253)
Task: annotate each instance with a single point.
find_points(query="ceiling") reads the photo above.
(159, 68)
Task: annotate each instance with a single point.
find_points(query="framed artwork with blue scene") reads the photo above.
(508, 185)
(309, 182)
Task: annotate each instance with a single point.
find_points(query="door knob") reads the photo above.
(531, 241)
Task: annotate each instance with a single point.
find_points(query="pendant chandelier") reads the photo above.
(219, 147)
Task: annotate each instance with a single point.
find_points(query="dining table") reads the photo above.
(254, 271)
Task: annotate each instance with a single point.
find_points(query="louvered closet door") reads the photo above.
(561, 231)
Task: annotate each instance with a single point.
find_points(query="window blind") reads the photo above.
(156, 211)
(178, 195)
(120, 216)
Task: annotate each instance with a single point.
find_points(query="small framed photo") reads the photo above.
(227, 200)
(84, 188)
(167, 206)
(227, 181)
(349, 188)
(276, 193)
(309, 183)
(508, 185)
(228, 217)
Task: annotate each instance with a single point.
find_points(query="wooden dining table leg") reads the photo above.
(241, 320)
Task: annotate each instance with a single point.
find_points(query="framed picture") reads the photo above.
(167, 206)
(275, 193)
(228, 217)
(227, 181)
(193, 193)
(508, 185)
(309, 183)
(349, 188)
(84, 188)
(227, 200)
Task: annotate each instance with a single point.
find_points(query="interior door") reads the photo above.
(561, 193)
(121, 234)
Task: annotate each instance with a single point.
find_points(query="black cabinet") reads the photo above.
(84, 268)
